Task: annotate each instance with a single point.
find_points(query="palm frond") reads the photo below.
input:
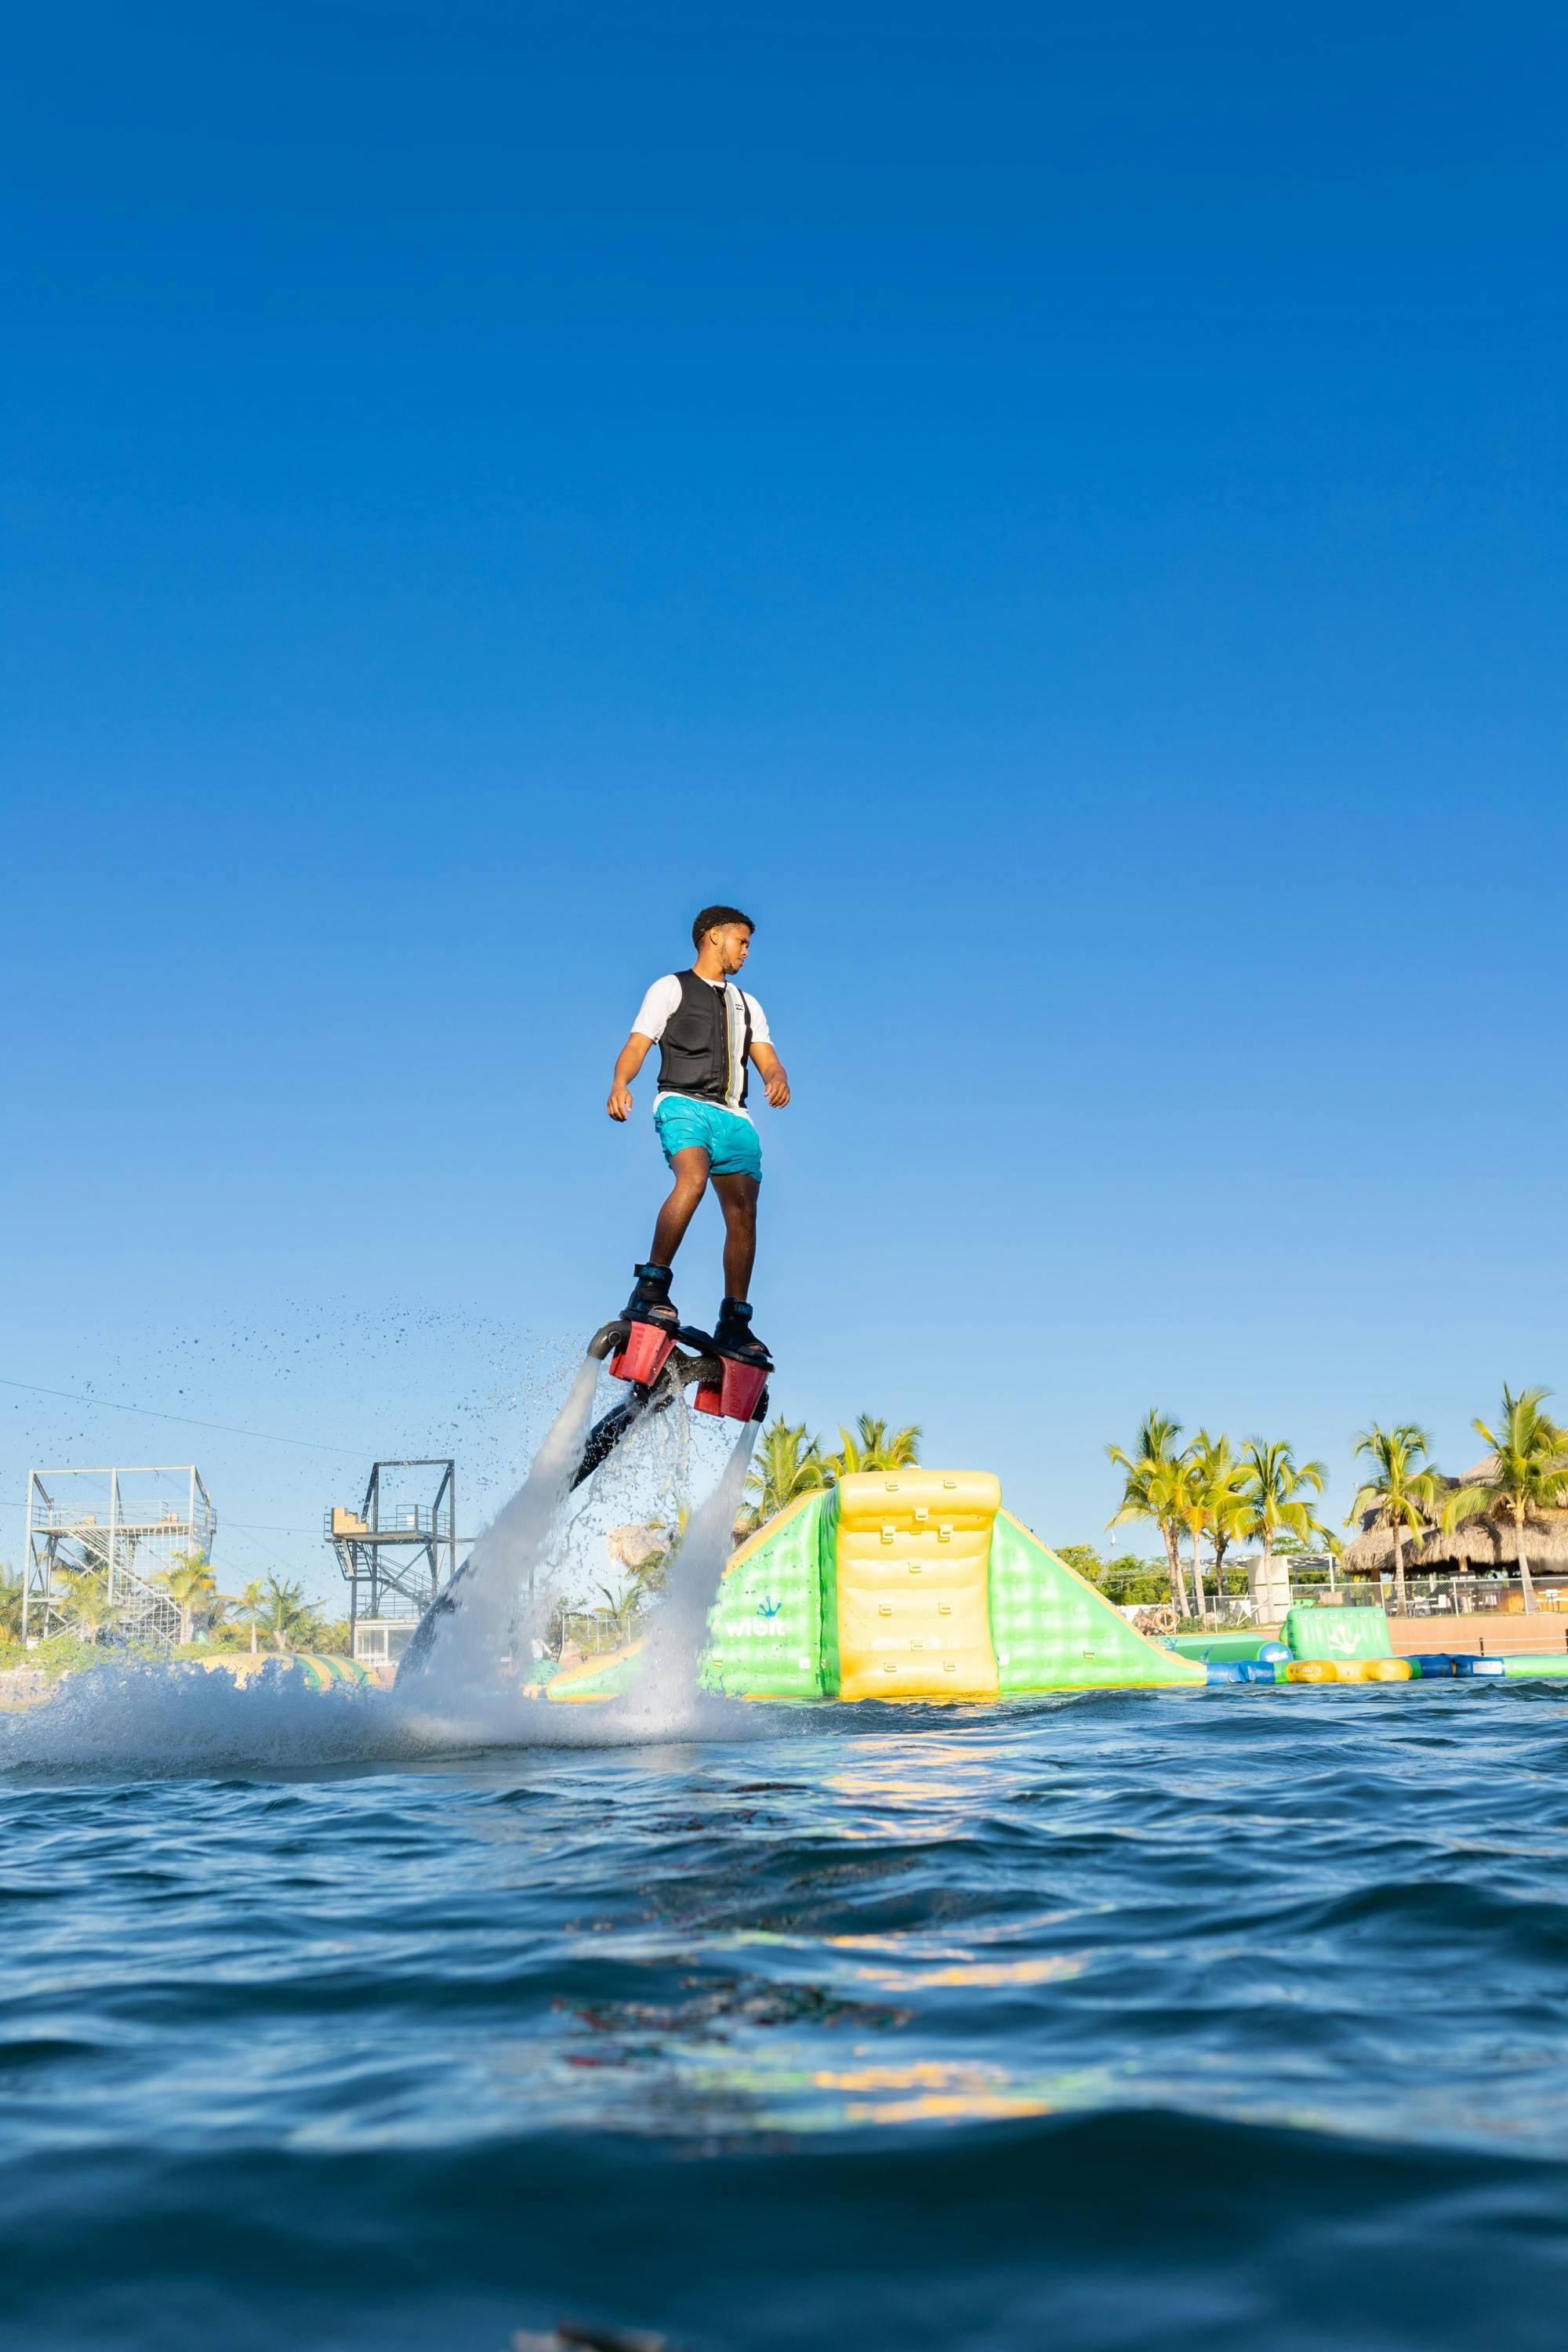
(1465, 1503)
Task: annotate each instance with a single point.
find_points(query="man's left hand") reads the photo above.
(771, 1071)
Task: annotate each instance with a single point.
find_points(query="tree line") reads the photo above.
(1214, 1495)
(270, 1609)
(1524, 1476)
(788, 1462)
(1206, 1493)
(1211, 1494)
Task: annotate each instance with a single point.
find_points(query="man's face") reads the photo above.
(733, 941)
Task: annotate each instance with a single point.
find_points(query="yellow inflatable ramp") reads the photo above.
(913, 1578)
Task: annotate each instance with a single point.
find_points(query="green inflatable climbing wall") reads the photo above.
(916, 1584)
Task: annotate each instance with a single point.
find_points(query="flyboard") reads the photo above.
(658, 1364)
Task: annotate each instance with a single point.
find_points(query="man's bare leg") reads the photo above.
(689, 1169)
(738, 1199)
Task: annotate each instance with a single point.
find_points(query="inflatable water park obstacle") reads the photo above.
(916, 1584)
(1339, 1644)
(316, 1670)
(907, 1584)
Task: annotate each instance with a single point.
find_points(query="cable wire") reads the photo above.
(150, 1413)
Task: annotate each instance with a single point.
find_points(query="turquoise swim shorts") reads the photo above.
(733, 1144)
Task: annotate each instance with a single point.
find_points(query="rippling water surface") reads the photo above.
(1227, 2019)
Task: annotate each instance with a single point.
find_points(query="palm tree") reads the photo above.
(249, 1602)
(787, 1464)
(1403, 1491)
(1226, 1525)
(91, 1606)
(1168, 1489)
(1149, 1490)
(1274, 1489)
(287, 1616)
(1223, 1509)
(872, 1448)
(12, 1590)
(189, 1582)
(621, 1606)
(1188, 1491)
(1528, 1472)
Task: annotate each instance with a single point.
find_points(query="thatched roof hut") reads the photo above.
(1473, 1549)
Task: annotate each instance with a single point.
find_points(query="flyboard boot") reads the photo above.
(652, 1322)
(734, 1336)
(638, 1345)
(741, 1393)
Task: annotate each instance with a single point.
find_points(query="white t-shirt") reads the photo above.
(664, 999)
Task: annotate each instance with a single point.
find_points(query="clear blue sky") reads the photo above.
(1058, 510)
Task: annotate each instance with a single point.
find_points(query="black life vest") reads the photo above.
(694, 1051)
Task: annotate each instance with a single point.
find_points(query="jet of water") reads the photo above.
(664, 1695)
(497, 1602)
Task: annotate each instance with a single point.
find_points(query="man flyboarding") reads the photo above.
(707, 1030)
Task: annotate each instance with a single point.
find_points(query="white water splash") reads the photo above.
(664, 1696)
(180, 1718)
(144, 1721)
(502, 1595)
(143, 1717)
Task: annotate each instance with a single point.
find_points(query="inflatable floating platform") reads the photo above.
(317, 1671)
(1343, 1646)
(916, 1584)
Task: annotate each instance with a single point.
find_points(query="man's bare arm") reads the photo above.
(771, 1071)
(633, 1054)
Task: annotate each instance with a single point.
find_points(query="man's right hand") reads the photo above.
(628, 1062)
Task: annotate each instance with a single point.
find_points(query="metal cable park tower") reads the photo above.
(122, 1529)
(391, 1547)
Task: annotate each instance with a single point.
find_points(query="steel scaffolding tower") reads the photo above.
(122, 1528)
(392, 1545)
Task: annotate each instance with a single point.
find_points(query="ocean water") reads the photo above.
(1225, 2019)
